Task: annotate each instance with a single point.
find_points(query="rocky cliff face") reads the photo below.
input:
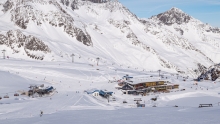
(174, 15)
(211, 73)
(8, 5)
(23, 13)
(17, 41)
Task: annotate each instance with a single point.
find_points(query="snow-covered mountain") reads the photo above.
(105, 42)
(189, 33)
(53, 30)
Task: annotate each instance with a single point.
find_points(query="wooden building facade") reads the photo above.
(147, 84)
(146, 87)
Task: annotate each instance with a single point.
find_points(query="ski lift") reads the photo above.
(16, 94)
(125, 101)
(6, 96)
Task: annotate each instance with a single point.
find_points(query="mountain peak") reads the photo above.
(172, 16)
(176, 10)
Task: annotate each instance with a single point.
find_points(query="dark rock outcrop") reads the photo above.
(34, 44)
(173, 16)
(214, 30)
(21, 16)
(17, 41)
(82, 37)
(65, 2)
(98, 1)
(7, 6)
(3, 39)
(179, 30)
(74, 5)
(212, 72)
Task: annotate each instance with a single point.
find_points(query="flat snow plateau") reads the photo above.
(67, 106)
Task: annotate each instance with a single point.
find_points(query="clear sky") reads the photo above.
(207, 11)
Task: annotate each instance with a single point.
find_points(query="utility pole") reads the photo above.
(72, 55)
(97, 59)
(159, 72)
(3, 51)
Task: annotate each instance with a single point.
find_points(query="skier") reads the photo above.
(41, 113)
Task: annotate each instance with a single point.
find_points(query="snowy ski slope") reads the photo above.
(124, 43)
(67, 106)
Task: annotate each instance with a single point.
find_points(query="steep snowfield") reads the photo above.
(192, 30)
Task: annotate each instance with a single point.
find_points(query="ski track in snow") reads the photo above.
(79, 77)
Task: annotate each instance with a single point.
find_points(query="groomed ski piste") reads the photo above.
(71, 104)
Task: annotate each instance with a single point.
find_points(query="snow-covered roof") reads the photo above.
(90, 91)
(144, 80)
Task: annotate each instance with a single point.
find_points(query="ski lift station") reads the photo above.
(94, 93)
(40, 90)
(101, 93)
(140, 85)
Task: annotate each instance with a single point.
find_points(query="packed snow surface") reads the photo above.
(73, 105)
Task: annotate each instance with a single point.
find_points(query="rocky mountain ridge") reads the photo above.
(109, 30)
(17, 41)
(172, 16)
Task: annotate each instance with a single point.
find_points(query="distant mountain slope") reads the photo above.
(204, 37)
(173, 41)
